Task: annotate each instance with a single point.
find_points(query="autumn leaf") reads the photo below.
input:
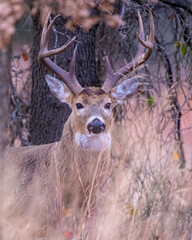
(131, 211)
(89, 23)
(172, 16)
(114, 20)
(69, 25)
(26, 51)
(25, 56)
(175, 156)
(177, 44)
(67, 234)
(106, 7)
(67, 212)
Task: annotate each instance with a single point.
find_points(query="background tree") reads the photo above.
(5, 56)
(9, 15)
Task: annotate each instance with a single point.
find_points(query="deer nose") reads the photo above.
(96, 126)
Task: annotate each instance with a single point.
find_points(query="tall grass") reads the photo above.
(144, 194)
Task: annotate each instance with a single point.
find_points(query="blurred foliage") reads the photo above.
(78, 13)
(10, 12)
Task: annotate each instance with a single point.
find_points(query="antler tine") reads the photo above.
(47, 30)
(148, 44)
(67, 77)
(152, 27)
(140, 35)
(140, 58)
(72, 66)
(109, 68)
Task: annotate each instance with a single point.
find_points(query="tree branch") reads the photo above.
(174, 104)
(180, 3)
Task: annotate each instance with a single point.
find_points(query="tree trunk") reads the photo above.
(47, 114)
(5, 56)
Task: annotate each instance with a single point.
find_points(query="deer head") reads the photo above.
(92, 106)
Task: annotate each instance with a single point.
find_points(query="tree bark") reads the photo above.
(5, 56)
(47, 114)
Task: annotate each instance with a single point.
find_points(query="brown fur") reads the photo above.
(93, 91)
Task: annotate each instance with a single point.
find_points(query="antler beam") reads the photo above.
(141, 56)
(68, 78)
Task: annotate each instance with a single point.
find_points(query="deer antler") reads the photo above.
(68, 78)
(141, 56)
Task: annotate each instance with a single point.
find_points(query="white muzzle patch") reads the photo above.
(93, 142)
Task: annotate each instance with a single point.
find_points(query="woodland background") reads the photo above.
(152, 151)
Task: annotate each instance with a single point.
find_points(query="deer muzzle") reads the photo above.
(96, 126)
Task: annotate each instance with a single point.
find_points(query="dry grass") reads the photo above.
(145, 196)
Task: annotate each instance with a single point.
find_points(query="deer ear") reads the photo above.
(58, 88)
(125, 89)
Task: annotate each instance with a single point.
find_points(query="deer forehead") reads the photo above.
(93, 95)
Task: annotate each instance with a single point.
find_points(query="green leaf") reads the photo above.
(178, 44)
(184, 49)
(150, 101)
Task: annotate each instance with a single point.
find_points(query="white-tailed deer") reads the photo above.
(50, 180)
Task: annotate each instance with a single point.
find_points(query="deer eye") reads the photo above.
(79, 106)
(107, 106)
